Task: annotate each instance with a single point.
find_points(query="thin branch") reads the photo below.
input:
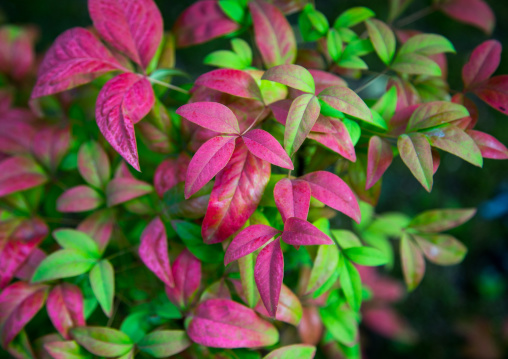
(169, 86)
(368, 83)
(254, 122)
(415, 16)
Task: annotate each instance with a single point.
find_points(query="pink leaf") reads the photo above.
(121, 190)
(268, 273)
(17, 53)
(133, 27)
(236, 194)
(482, 64)
(473, 12)
(170, 172)
(211, 158)
(334, 192)
(153, 251)
(273, 34)
(26, 271)
(19, 303)
(187, 277)
(76, 58)
(18, 174)
(495, 93)
(201, 22)
(379, 159)
(16, 137)
(292, 198)
(65, 308)
(122, 102)
(234, 82)
(299, 232)
(249, 240)
(79, 199)
(324, 79)
(280, 110)
(50, 145)
(222, 323)
(289, 309)
(338, 141)
(99, 226)
(489, 146)
(310, 327)
(263, 145)
(210, 115)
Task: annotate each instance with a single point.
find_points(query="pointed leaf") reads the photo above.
(102, 280)
(383, 39)
(351, 283)
(292, 198)
(18, 174)
(495, 93)
(353, 16)
(120, 190)
(325, 265)
(66, 350)
(301, 351)
(190, 234)
(187, 275)
(269, 272)
(50, 145)
(264, 146)
(302, 116)
(439, 220)
(341, 323)
(413, 264)
(63, 264)
(366, 256)
(164, 343)
(299, 232)
(339, 141)
(415, 64)
(65, 308)
(211, 115)
(102, 341)
(289, 309)
(93, 164)
(415, 151)
(379, 159)
(99, 226)
(72, 239)
(249, 289)
(441, 249)
(472, 12)
(249, 240)
(489, 146)
(79, 199)
(170, 172)
(234, 82)
(347, 101)
(435, 113)
(426, 44)
(294, 76)
(482, 64)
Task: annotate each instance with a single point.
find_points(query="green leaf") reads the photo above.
(302, 115)
(354, 130)
(390, 224)
(233, 10)
(438, 220)
(334, 44)
(136, 325)
(190, 234)
(382, 243)
(426, 44)
(164, 343)
(102, 341)
(300, 351)
(346, 239)
(225, 59)
(383, 39)
(434, 114)
(77, 240)
(346, 100)
(387, 104)
(341, 323)
(63, 264)
(66, 349)
(350, 283)
(294, 76)
(324, 268)
(415, 64)
(312, 23)
(358, 48)
(102, 280)
(243, 50)
(353, 16)
(250, 292)
(415, 151)
(347, 35)
(441, 249)
(366, 256)
(413, 264)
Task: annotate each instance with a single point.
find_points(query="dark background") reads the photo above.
(454, 307)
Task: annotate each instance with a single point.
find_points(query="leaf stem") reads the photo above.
(368, 83)
(169, 86)
(415, 16)
(254, 122)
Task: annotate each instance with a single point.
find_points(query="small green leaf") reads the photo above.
(426, 44)
(312, 23)
(300, 351)
(136, 325)
(347, 35)
(341, 323)
(434, 114)
(102, 280)
(366, 256)
(413, 264)
(346, 239)
(415, 64)
(164, 343)
(63, 264)
(294, 76)
(353, 16)
(438, 220)
(441, 249)
(250, 291)
(351, 283)
(66, 349)
(233, 10)
(354, 130)
(334, 44)
(80, 241)
(190, 234)
(225, 59)
(325, 266)
(243, 50)
(383, 39)
(387, 104)
(358, 48)
(102, 341)
(346, 100)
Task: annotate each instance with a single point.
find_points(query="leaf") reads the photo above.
(334, 44)
(302, 116)
(224, 58)
(234, 82)
(289, 309)
(210, 115)
(472, 12)
(170, 172)
(19, 173)
(122, 189)
(153, 251)
(353, 16)
(325, 265)
(382, 38)
(415, 151)
(134, 28)
(439, 220)
(201, 22)
(164, 343)
(72, 239)
(301, 351)
(292, 198)
(494, 92)
(75, 58)
(415, 64)
(441, 249)
(102, 341)
(264, 146)
(351, 283)
(99, 226)
(341, 324)
(65, 308)
(50, 145)
(243, 50)
(299, 232)
(268, 273)
(66, 350)
(366, 256)
(63, 264)
(236, 194)
(209, 160)
(380, 157)
(222, 323)
(249, 240)
(334, 192)
(346, 239)
(347, 101)
(313, 24)
(187, 275)
(79, 199)
(339, 141)
(122, 102)
(435, 113)
(294, 76)
(190, 234)
(426, 44)
(273, 34)
(249, 290)
(93, 164)
(489, 146)
(19, 303)
(413, 264)
(482, 64)
(175, 204)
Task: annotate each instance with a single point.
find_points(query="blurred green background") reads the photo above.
(459, 311)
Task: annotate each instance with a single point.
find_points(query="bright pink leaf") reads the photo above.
(236, 194)
(263, 145)
(379, 159)
(334, 192)
(18, 174)
(292, 198)
(99, 226)
(473, 12)
(187, 277)
(338, 141)
(79, 199)
(495, 93)
(122, 102)
(65, 308)
(249, 240)
(121, 190)
(299, 232)
(234, 82)
(210, 115)
(201, 22)
(273, 34)
(209, 160)
(482, 64)
(170, 172)
(489, 146)
(50, 145)
(133, 27)
(268, 273)
(222, 323)
(76, 58)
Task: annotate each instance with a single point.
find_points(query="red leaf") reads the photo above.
(436, 160)
(16, 137)
(170, 172)
(122, 102)
(292, 198)
(482, 64)
(273, 34)
(489, 146)
(299, 232)
(339, 141)
(122, 189)
(471, 108)
(234, 82)
(268, 273)
(249, 240)
(50, 145)
(236, 194)
(79, 199)
(210, 115)
(334, 192)
(289, 309)
(99, 226)
(16, 51)
(18, 174)
(473, 12)
(379, 159)
(133, 27)
(202, 22)
(209, 160)
(19, 303)
(264, 146)
(65, 308)
(75, 58)
(324, 79)
(222, 323)
(187, 277)
(495, 93)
